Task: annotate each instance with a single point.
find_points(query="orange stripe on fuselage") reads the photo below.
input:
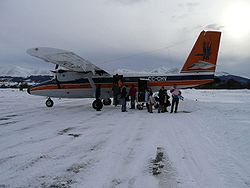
(62, 86)
(129, 84)
(181, 82)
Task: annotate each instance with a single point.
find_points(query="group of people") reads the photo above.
(121, 95)
(124, 96)
(162, 101)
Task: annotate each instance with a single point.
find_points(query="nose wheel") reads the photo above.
(49, 102)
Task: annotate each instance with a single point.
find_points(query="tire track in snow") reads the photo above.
(92, 148)
(35, 163)
(120, 148)
(131, 157)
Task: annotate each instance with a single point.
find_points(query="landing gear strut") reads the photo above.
(49, 102)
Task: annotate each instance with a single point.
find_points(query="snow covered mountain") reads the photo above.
(160, 70)
(223, 80)
(17, 71)
(163, 70)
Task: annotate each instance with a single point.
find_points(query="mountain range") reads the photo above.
(13, 75)
(17, 71)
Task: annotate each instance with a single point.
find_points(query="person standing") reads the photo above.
(120, 83)
(150, 101)
(123, 97)
(161, 100)
(132, 94)
(165, 100)
(115, 78)
(97, 97)
(116, 92)
(147, 93)
(176, 93)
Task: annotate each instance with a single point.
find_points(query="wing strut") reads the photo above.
(92, 83)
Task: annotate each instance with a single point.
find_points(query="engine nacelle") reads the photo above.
(67, 75)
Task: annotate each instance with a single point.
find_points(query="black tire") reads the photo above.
(94, 104)
(97, 104)
(156, 106)
(49, 103)
(107, 101)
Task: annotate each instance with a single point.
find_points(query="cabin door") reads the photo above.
(142, 86)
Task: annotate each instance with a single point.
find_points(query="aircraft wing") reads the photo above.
(65, 59)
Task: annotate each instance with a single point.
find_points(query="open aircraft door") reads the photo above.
(117, 79)
(142, 86)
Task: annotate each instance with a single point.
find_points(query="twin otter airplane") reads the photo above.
(81, 77)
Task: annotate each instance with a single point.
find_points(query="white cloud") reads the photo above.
(214, 27)
(104, 30)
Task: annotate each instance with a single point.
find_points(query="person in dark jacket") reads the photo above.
(132, 94)
(166, 101)
(123, 97)
(116, 92)
(161, 100)
(97, 97)
(147, 93)
(116, 78)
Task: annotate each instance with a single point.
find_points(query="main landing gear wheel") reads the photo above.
(49, 102)
(107, 101)
(97, 104)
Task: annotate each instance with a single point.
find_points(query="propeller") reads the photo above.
(56, 70)
(57, 82)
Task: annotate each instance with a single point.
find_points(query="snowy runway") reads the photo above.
(71, 145)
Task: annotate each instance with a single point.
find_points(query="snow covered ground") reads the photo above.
(205, 145)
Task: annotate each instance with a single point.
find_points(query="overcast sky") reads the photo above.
(132, 34)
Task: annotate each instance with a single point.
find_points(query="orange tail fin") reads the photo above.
(203, 56)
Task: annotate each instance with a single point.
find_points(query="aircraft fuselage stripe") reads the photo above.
(53, 86)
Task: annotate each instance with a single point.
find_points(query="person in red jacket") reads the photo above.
(132, 94)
